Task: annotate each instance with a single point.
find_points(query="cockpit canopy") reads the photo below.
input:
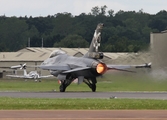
(56, 52)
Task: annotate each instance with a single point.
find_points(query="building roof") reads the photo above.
(165, 31)
(36, 53)
(40, 54)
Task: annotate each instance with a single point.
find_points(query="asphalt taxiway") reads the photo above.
(131, 95)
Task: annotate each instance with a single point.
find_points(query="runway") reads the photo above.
(83, 115)
(131, 95)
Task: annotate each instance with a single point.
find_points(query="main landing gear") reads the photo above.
(91, 83)
(64, 84)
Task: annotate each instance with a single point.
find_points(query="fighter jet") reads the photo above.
(86, 69)
(31, 75)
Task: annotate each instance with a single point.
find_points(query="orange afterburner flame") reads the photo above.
(101, 68)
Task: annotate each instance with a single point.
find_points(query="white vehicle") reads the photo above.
(31, 75)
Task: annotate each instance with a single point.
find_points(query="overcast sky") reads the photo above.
(44, 8)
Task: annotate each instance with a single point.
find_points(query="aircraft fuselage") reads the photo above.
(75, 62)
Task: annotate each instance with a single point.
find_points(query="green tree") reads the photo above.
(62, 23)
(95, 11)
(72, 41)
(103, 10)
(13, 33)
(111, 12)
(123, 31)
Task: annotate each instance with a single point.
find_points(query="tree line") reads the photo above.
(124, 31)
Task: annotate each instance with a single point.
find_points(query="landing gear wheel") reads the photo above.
(65, 83)
(91, 83)
(93, 87)
(62, 87)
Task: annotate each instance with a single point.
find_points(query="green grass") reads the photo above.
(127, 82)
(84, 104)
(133, 82)
(113, 82)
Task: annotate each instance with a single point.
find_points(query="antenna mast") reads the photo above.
(28, 42)
(42, 42)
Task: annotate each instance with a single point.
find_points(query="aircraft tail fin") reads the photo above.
(24, 68)
(25, 72)
(95, 44)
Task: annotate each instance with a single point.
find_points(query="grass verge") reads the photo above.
(107, 83)
(7, 103)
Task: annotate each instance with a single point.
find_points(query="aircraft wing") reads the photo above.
(46, 76)
(16, 76)
(125, 67)
(67, 68)
(19, 76)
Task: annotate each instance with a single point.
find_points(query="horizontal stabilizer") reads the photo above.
(125, 67)
(46, 76)
(118, 69)
(146, 65)
(15, 67)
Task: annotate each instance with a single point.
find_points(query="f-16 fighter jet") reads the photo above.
(86, 69)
